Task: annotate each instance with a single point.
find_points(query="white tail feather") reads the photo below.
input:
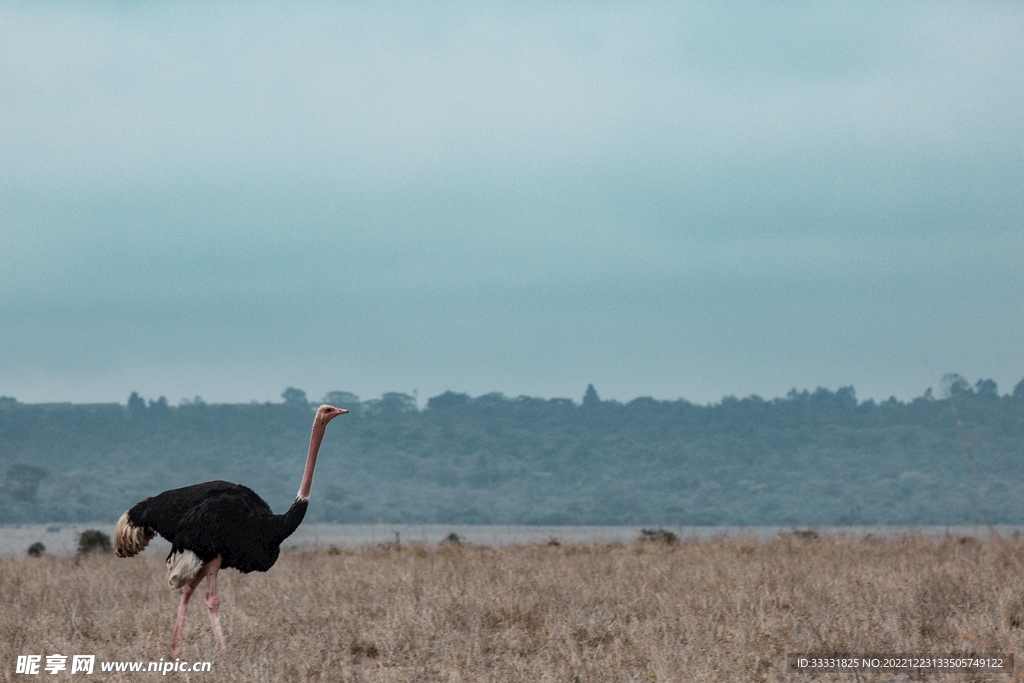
(129, 539)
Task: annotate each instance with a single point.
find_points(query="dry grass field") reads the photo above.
(724, 610)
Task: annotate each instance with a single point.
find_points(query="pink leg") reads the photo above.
(179, 623)
(212, 601)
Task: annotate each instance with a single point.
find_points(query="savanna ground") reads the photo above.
(720, 610)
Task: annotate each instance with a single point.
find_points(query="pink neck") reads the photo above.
(314, 447)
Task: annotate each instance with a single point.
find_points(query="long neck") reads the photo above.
(314, 447)
(286, 524)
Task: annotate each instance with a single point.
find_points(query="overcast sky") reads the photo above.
(662, 199)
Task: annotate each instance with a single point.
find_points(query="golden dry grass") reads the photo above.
(724, 610)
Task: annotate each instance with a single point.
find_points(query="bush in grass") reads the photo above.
(658, 535)
(93, 540)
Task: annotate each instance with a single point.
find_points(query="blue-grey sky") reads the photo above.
(660, 198)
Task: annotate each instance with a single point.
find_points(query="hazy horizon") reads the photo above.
(668, 200)
(938, 392)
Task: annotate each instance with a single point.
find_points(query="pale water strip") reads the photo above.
(62, 539)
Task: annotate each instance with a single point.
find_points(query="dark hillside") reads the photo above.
(817, 457)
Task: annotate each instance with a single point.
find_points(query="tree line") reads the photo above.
(811, 457)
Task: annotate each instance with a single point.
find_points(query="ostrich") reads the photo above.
(215, 525)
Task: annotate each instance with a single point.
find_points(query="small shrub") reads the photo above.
(805, 534)
(658, 535)
(392, 545)
(453, 539)
(93, 540)
(36, 549)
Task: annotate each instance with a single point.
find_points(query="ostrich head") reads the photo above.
(326, 413)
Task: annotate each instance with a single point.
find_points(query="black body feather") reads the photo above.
(220, 518)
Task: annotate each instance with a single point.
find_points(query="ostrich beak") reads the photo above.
(342, 411)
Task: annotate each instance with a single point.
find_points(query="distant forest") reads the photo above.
(810, 458)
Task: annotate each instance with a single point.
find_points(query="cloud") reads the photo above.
(508, 182)
(109, 94)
